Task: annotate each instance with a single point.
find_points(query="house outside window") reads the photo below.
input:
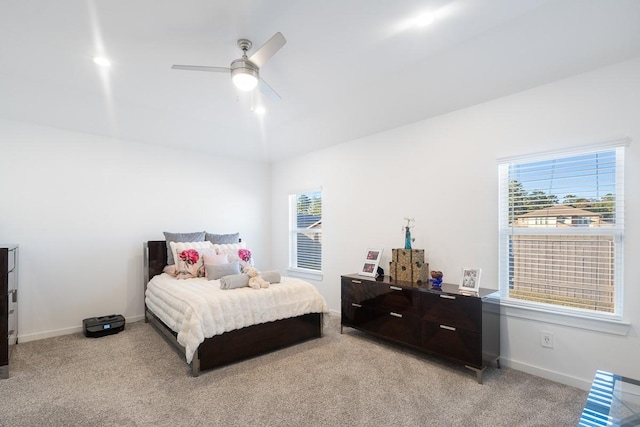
(561, 231)
(305, 232)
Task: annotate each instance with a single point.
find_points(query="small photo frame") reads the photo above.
(370, 263)
(470, 281)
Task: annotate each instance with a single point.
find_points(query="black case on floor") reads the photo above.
(95, 327)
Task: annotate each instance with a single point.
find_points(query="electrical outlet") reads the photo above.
(546, 339)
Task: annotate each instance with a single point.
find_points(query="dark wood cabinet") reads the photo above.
(402, 328)
(458, 311)
(445, 323)
(457, 344)
(8, 305)
(382, 296)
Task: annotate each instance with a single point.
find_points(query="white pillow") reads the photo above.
(214, 258)
(230, 249)
(181, 246)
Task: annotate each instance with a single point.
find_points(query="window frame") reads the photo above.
(294, 230)
(543, 309)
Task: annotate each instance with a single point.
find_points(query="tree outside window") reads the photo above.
(306, 231)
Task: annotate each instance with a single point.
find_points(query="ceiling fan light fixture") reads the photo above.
(245, 82)
(245, 71)
(244, 74)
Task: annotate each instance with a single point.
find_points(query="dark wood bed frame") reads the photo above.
(235, 345)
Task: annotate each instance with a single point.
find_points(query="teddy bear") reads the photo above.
(255, 279)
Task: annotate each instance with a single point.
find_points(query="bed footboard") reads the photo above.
(258, 339)
(247, 342)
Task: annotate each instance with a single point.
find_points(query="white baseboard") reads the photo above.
(65, 331)
(547, 374)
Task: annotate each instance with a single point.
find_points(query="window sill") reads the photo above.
(305, 274)
(610, 326)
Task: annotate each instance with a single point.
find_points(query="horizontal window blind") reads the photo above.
(561, 229)
(573, 271)
(306, 231)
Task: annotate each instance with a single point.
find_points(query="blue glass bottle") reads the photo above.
(407, 238)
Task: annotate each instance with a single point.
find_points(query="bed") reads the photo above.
(234, 345)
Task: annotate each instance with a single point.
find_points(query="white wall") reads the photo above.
(81, 206)
(443, 172)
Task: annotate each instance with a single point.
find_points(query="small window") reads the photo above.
(561, 230)
(305, 231)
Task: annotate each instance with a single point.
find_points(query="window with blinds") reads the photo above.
(561, 230)
(305, 231)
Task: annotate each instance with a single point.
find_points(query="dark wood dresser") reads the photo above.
(446, 323)
(8, 305)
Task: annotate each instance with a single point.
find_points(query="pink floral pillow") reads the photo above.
(245, 257)
(189, 264)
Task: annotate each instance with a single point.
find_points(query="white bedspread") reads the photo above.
(197, 308)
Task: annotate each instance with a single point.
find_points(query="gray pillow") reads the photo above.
(221, 239)
(272, 276)
(181, 237)
(217, 271)
(234, 281)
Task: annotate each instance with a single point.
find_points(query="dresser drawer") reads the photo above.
(12, 280)
(458, 311)
(12, 269)
(458, 344)
(380, 295)
(12, 330)
(388, 324)
(12, 260)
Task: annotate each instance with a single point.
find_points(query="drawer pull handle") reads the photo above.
(356, 305)
(448, 328)
(14, 295)
(447, 296)
(11, 311)
(356, 281)
(11, 332)
(396, 314)
(395, 288)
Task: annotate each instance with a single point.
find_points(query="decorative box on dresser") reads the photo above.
(8, 305)
(463, 328)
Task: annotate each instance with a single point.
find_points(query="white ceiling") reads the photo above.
(350, 68)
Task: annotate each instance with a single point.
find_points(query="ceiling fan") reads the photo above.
(245, 71)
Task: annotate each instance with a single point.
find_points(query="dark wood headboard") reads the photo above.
(155, 258)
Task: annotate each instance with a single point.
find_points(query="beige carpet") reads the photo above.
(135, 378)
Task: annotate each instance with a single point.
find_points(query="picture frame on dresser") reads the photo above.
(470, 280)
(371, 261)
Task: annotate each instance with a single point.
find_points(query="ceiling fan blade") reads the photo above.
(201, 68)
(268, 49)
(267, 90)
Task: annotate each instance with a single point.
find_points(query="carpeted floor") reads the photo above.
(135, 378)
